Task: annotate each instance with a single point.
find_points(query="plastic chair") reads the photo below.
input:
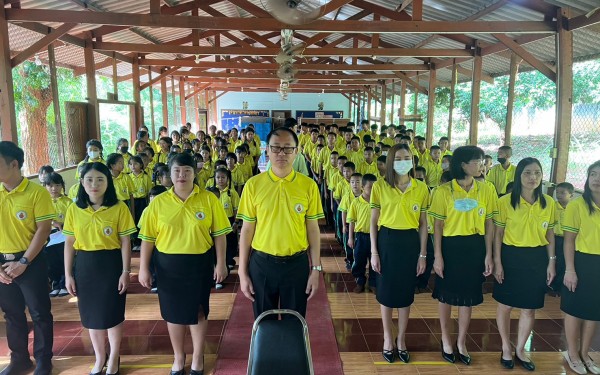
(280, 346)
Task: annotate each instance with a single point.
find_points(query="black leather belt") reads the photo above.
(280, 259)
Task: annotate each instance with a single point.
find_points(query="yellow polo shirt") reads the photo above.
(230, 200)
(500, 177)
(280, 208)
(360, 214)
(161, 157)
(142, 184)
(20, 211)
(399, 210)
(98, 230)
(123, 186)
(578, 220)
(433, 172)
(61, 204)
(527, 225)
(346, 200)
(100, 160)
(73, 190)
(424, 157)
(184, 227)
(458, 223)
(560, 217)
(364, 168)
(341, 188)
(126, 158)
(325, 154)
(388, 141)
(237, 176)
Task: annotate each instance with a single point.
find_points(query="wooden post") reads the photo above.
(174, 101)
(416, 104)
(165, 102)
(510, 104)
(475, 96)
(382, 113)
(430, 107)
(564, 99)
(196, 107)
(369, 100)
(393, 99)
(8, 116)
(182, 101)
(137, 98)
(359, 107)
(56, 106)
(93, 114)
(402, 101)
(115, 78)
(452, 96)
(153, 125)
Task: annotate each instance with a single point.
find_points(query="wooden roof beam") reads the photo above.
(539, 6)
(584, 20)
(42, 43)
(527, 56)
(247, 24)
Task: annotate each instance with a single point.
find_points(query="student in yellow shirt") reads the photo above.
(347, 189)
(580, 297)
(381, 167)
(359, 221)
(421, 151)
(94, 154)
(434, 167)
(123, 150)
(398, 216)
(122, 181)
(163, 177)
(164, 144)
(98, 227)
(55, 185)
(26, 213)
(367, 165)
(277, 273)
(564, 193)
(243, 162)
(524, 257)
(463, 231)
(444, 145)
(238, 180)
(142, 184)
(231, 201)
(184, 223)
(501, 174)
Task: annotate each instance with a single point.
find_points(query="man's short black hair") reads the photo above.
(10, 151)
(280, 131)
(290, 122)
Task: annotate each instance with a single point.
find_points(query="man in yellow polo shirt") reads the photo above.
(504, 172)
(26, 212)
(280, 209)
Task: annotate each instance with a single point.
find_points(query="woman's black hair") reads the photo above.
(139, 160)
(113, 159)
(228, 174)
(155, 171)
(54, 178)
(167, 140)
(183, 160)
(156, 190)
(463, 154)
(47, 169)
(231, 155)
(149, 151)
(96, 143)
(515, 195)
(587, 191)
(110, 196)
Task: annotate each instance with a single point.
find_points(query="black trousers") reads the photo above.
(31, 290)
(55, 257)
(279, 282)
(362, 255)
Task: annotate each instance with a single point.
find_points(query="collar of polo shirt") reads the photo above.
(290, 177)
(21, 187)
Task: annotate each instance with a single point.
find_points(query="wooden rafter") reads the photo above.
(42, 43)
(528, 57)
(166, 73)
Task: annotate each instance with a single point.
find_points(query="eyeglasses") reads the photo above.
(477, 161)
(286, 150)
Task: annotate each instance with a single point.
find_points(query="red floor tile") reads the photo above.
(79, 346)
(347, 326)
(138, 327)
(351, 343)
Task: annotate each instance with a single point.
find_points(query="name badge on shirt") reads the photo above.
(415, 207)
(107, 231)
(299, 208)
(200, 215)
(21, 215)
(481, 211)
(545, 225)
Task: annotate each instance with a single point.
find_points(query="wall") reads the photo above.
(295, 101)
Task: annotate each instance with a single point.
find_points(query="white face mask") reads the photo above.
(402, 167)
(94, 154)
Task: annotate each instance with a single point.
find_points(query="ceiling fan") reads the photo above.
(295, 12)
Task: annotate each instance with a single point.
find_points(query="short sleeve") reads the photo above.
(491, 204)
(247, 209)
(43, 208)
(126, 226)
(130, 186)
(552, 206)
(68, 228)
(352, 215)
(376, 195)
(439, 206)
(425, 200)
(572, 218)
(344, 203)
(220, 223)
(235, 200)
(148, 221)
(338, 189)
(315, 209)
(501, 214)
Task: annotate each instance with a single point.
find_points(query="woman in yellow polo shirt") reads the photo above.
(462, 210)
(398, 244)
(581, 295)
(97, 229)
(184, 223)
(524, 259)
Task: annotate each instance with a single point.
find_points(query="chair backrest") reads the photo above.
(280, 346)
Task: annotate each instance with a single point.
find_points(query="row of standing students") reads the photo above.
(475, 235)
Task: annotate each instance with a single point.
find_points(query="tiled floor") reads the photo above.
(146, 348)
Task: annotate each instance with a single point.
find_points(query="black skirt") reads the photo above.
(464, 264)
(398, 253)
(184, 283)
(524, 284)
(97, 276)
(584, 302)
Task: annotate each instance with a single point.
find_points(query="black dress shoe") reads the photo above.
(529, 366)
(43, 368)
(118, 368)
(466, 359)
(17, 368)
(450, 357)
(103, 366)
(507, 363)
(194, 372)
(403, 355)
(389, 355)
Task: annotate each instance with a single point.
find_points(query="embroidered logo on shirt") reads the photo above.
(61, 216)
(200, 215)
(415, 207)
(21, 215)
(299, 208)
(226, 205)
(481, 211)
(107, 231)
(545, 225)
